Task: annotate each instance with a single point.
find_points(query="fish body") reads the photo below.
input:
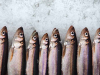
(3, 50)
(69, 53)
(32, 55)
(55, 52)
(96, 53)
(84, 54)
(16, 59)
(43, 55)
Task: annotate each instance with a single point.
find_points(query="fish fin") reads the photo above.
(93, 51)
(63, 51)
(78, 55)
(40, 51)
(12, 51)
(79, 49)
(27, 54)
(93, 47)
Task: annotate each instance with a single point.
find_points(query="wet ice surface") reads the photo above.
(44, 15)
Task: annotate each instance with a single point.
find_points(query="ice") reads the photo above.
(44, 15)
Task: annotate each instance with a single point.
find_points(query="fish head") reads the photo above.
(19, 35)
(85, 36)
(34, 37)
(45, 39)
(55, 35)
(71, 35)
(3, 34)
(18, 39)
(97, 34)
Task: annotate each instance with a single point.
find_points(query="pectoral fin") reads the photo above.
(27, 54)
(12, 51)
(40, 52)
(79, 49)
(93, 47)
(63, 51)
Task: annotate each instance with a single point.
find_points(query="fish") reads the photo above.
(84, 54)
(96, 53)
(32, 54)
(69, 53)
(43, 55)
(3, 50)
(54, 54)
(17, 54)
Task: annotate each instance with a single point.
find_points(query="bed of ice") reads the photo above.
(44, 15)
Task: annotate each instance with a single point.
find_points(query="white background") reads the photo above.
(44, 15)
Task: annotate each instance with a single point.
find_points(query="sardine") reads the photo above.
(84, 54)
(32, 55)
(16, 59)
(55, 52)
(69, 53)
(3, 50)
(43, 55)
(96, 53)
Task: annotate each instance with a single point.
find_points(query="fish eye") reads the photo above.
(72, 33)
(55, 35)
(99, 33)
(21, 35)
(34, 38)
(3, 33)
(46, 39)
(86, 34)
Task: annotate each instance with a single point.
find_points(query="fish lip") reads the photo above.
(68, 37)
(97, 37)
(44, 42)
(86, 39)
(19, 39)
(31, 41)
(2, 37)
(53, 40)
